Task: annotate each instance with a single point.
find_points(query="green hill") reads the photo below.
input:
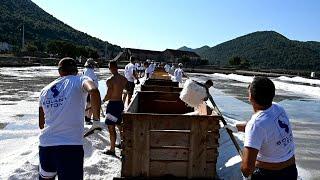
(199, 51)
(269, 50)
(41, 28)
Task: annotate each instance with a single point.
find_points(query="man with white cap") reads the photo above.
(89, 71)
(179, 73)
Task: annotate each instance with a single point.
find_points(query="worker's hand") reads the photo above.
(232, 128)
(138, 82)
(105, 103)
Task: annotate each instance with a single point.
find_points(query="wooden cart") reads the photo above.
(161, 82)
(160, 141)
(160, 88)
(160, 74)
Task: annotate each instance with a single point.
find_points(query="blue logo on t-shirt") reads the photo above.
(55, 91)
(283, 126)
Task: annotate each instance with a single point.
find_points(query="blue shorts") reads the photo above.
(114, 108)
(66, 161)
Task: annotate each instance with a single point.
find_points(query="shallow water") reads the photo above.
(20, 87)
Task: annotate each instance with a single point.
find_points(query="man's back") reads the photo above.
(271, 134)
(178, 73)
(63, 103)
(129, 72)
(90, 73)
(117, 83)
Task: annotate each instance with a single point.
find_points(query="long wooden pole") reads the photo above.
(233, 139)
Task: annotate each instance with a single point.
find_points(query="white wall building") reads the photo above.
(4, 46)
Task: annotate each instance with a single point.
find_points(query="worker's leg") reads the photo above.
(124, 98)
(121, 136)
(113, 135)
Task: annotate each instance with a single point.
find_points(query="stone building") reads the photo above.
(169, 55)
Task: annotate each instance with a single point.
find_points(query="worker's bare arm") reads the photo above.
(109, 91)
(91, 88)
(241, 126)
(248, 160)
(41, 118)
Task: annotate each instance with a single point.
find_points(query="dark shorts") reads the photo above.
(130, 88)
(65, 161)
(114, 108)
(288, 173)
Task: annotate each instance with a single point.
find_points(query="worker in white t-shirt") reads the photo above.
(141, 70)
(148, 70)
(130, 72)
(268, 145)
(137, 67)
(172, 69)
(89, 71)
(179, 73)
(61, 114)
(167, 67)
(153, 66)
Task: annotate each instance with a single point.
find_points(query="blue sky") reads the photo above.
(161, 24)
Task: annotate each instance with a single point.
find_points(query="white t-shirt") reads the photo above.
(128, 72)
(269, 131)
(178, 73)
(153, 66)
(167, 67)
(90, 73)
(63, 102)
(149, 71)
(137, 66)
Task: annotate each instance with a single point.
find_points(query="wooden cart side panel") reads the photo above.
(160, 88)
(197, 154)
(212, 155)
(169, 154)
(169, 96)
(174, 168)
(161, 83)
(168, 144)
(211, 169)
(141, 147)
(169, 138)
(214, 123)
(164, 107)
(180, 122)
(134, 105)
(127, 152)
(166, 122)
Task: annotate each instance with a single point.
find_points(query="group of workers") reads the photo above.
(268, 145)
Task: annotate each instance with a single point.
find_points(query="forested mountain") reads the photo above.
(267, 49)
(41, 28)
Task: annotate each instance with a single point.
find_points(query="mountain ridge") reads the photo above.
(41, 27)
(267, 49)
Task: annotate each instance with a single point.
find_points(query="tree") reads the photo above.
(239, 62)
(31, 49)
(235, 61)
